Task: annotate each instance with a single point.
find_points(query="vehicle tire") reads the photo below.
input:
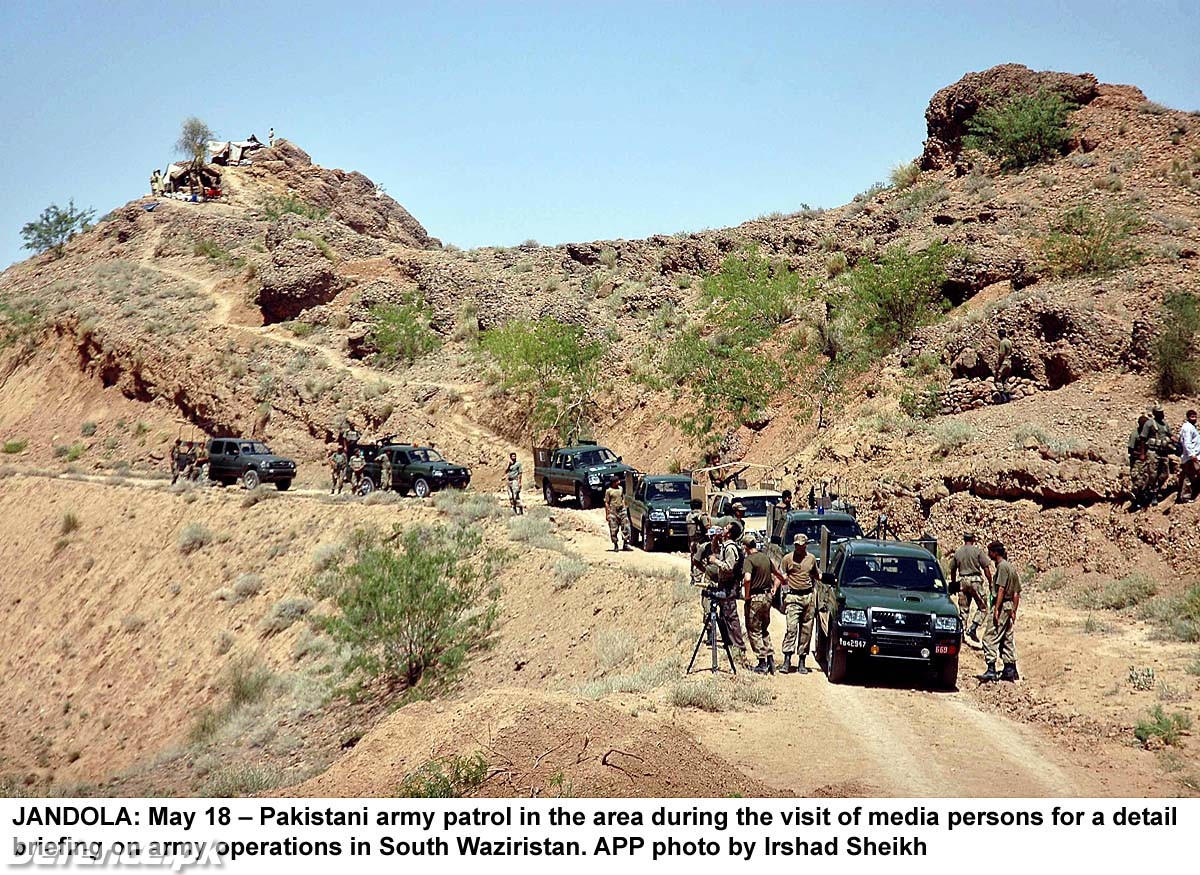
(283, 485)
(548, 493)
(947, 673)
(649, 541)
(584, 496)
(250, 479)
(366, 487)
(421, 487)
(836, 663)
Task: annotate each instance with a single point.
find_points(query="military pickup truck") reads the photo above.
(251, 462)
(420, 469)
(658, 507)
(582, 472)
(885, 600)
(783, 526)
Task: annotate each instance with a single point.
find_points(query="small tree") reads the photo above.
(1178, 363)
(554, 365)
(412, 613)
(899, 293)
(401, 332)
(55, 227)
(1023, 130)
(194, 136)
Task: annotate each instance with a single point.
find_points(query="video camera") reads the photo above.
(718, 593)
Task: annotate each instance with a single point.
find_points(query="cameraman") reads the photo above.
(722, 559)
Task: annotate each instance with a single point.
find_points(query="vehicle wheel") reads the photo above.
(548, 493)
(366, 487)
(947, 673)
(584, 496)
(835, 661)
(649, 542)
(250, 479)
(283, 485)
(421, 487)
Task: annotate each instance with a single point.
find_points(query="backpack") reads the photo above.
(739, 566)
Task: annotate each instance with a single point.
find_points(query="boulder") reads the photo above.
(297, 277)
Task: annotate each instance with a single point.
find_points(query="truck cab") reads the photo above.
(583, 472)
(658, 507)
(883, 600)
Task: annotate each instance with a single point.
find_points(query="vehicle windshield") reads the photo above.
(812, 528)
(895, 572)
(253, 448)
(598, 456)
(426, 455)
(668, 490)
(756, 505)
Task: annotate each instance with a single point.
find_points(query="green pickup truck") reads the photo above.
(658, 507)
(582, 472)
(885, 600)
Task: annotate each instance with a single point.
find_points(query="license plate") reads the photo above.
(853, 643)
(942, 648)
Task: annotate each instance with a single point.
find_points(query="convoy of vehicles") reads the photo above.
(581, 472)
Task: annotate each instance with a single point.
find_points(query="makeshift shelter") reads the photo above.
(234, 151)
(183, 176)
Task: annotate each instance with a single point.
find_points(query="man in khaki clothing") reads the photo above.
(998, 636)
(968, 567)
(799, 602)
(616, 510)
(760, 592)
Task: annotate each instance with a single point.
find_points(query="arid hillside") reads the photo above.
(306, 298)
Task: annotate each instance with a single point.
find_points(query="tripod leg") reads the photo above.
(704, 633)
(723, 627)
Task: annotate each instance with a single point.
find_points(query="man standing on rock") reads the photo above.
(761, 579)
(998, 636)
(1189, 442)
(616, 511)
(968, 567)
(513, 475)
(1003, 366)
(799, 602)
(176, 460)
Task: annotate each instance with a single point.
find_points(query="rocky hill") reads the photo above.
(256, 314)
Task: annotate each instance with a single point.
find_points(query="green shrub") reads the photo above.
(1023, 130)
(1177, 617)
(1167, 727)
(905, 175)
(413, 612)
(836, 264)
(923, 403)
(248, 682)
(568, 570)
(401, 332)
(1083, 241)
(466, 507)
(608, 257)
(240, 780)
(274, 208)
(13, 447)
(912, 203)
(55, 227)
(87, 429)
(554, 366)
(1128, 591)
(445, 778)
(897, 294)
(1176, 358)
(217, 253)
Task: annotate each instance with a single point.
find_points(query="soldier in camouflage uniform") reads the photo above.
(1154, 463)
(337, 470)
(698, 525)
(616, 511)
(1004, 367)
(723, 570)
(385, 470)
(799, 569)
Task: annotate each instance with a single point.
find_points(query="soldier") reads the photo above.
(176, 454)
(513, 474)
(187, 462)
(968, 567)
(197, 461)
(1189, 443)
(616, 511)
(156, 186)
(270, 137)
(738, 522)
(1134, 439)
(760, 579)
(337, 467)
(698, 525)
(998, 636)
(357, 463)
(1158, 446)
(799, 602)
(385, 470)
(1003, 366)
(785, 500)
(723, 560)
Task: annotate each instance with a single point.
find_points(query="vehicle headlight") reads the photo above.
(853, 618)
(945, 624)
(593, 478)
(658, 516)
(439, 473)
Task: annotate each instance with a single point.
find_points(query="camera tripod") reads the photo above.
(714, 625)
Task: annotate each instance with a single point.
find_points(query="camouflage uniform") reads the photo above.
(697, 526)
(1154, 465)
(337, 464)
(758, 607)
(385, 471)
(968, 563)
(513, 474)
(723, 570)
(617, 511)
(998, 637)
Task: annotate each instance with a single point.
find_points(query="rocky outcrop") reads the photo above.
(1039, 477)
(297, 278)
(951, 108)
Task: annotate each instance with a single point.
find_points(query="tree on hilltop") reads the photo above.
(194, 136)
(54, 227)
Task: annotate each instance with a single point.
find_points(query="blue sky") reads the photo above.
(497, 122)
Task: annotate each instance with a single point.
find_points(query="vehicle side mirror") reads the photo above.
(828, 579)
(619, 458)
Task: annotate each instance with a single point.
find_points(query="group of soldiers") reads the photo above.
(187, 460)
(731, 563)
(346, 465)
(995, 605)
(1156, 453)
